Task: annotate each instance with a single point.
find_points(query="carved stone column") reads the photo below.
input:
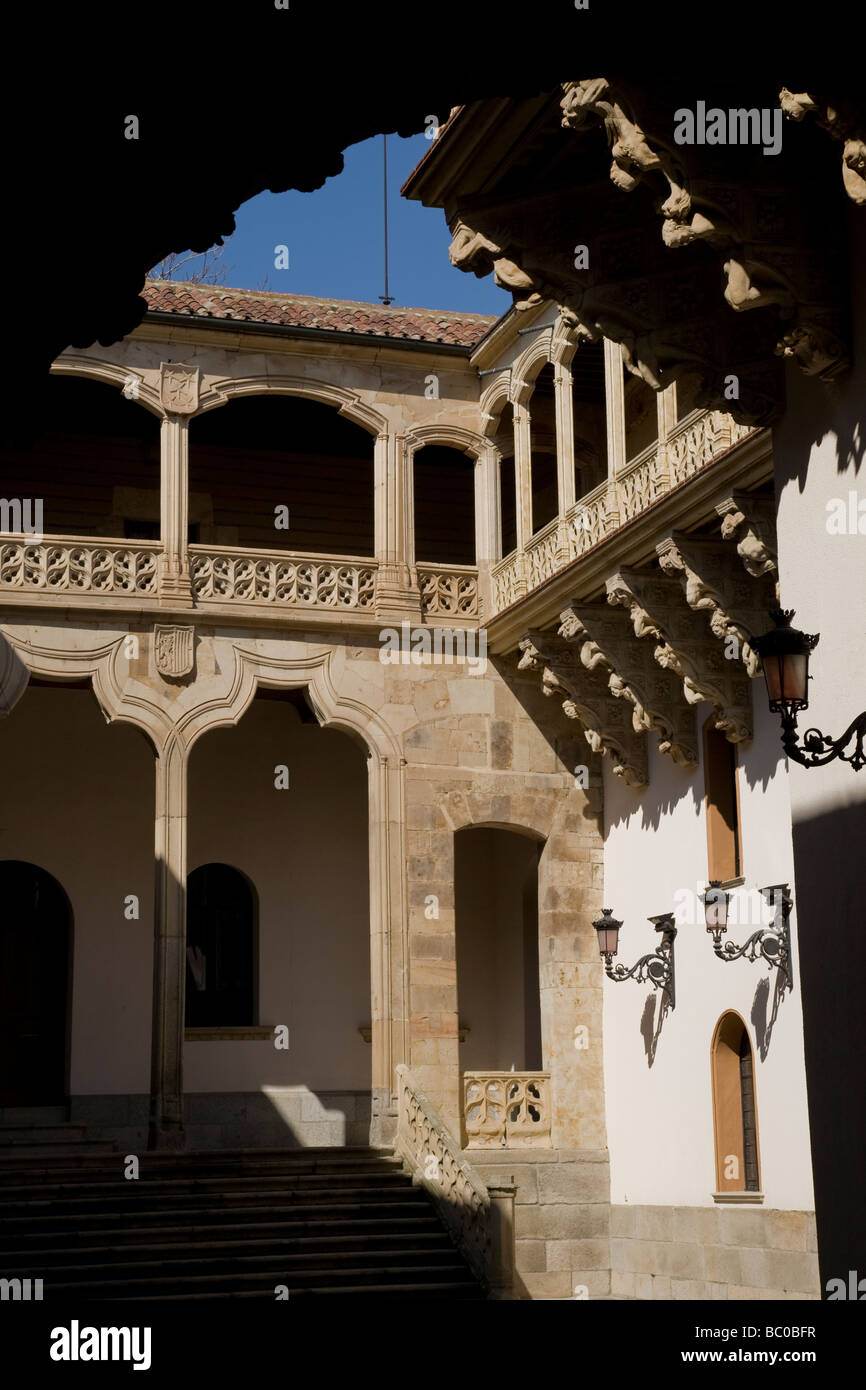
(397, 595)
(488, 527)
(614, 395)
(174, 577)
(564, 452)
(522, 490)
(166, 1129)
(389, 944)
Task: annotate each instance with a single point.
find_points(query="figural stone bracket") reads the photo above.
(715, 583)
(607, 644)
(684, 645)
(586, 697)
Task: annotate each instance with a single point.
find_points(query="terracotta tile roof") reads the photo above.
(306, 311)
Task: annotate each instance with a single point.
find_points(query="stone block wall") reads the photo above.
(722, 1252)
(561, 1218)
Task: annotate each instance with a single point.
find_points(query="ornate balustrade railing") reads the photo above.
(433, 1156)
(506, 1109)
(272, 578)
(448, 591)
(78, 565)
(693, 443)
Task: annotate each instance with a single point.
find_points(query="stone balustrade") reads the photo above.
(448, 591)
(692, 444)
(506, 1109)
(434, 1158)
(75, 565)
(272, 578)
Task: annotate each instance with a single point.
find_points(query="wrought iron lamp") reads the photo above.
(657, 967)
(772, 944)
(784, 653)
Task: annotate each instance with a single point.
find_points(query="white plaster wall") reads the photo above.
(76, 798)
(305, 850)
(659, 1116)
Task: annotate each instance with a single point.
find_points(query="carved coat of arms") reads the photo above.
(174, 648)
(178, 388)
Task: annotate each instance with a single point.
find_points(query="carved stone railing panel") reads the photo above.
(449, 592)
(506, 1109)
(591, 519)
(639, 485)
(684, 644)
(586, 696)
(71, 565)
(294, 580)
(434, 1158)
(507, 580)
(696, 441)
(542, 554)
(606, 644)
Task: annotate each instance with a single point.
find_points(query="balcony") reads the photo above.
(691, 446)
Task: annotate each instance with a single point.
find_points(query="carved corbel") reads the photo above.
(715, 583)
(607, 646)
(751, 522)
(607, 726)
(843, 123)
(472, 251)
(684, 646)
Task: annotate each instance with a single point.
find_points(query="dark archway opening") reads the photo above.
(35, 971)
(496, 899)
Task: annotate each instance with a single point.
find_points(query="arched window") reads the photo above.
(542, 425)
(734, 1107)
(641, 415)
(504, 441)
(590, 417)
(35, 958)
(221, 948)
(258, 453)
(724, 845)
(444, 506)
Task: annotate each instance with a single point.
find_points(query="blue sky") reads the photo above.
(335, 239)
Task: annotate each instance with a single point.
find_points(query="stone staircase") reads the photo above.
(42, 1131)
(195, 1226)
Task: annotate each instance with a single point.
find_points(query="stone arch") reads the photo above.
(112, 374)
(533, 358)
(570, 973)
(494, 398)
(224, 389)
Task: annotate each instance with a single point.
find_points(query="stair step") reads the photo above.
(466, 1290)
(266, 1244)
(333, 1278)
(194, 1226)
(25, 1241)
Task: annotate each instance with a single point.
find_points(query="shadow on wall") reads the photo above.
(656, 1008)
(829, 871)
(277, 1118)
